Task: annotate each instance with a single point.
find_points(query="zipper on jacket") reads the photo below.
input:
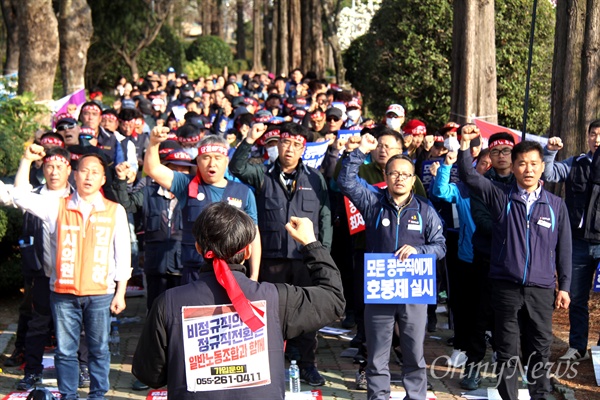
(527, 244)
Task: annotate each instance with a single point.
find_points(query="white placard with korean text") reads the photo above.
(221, 352)
(391, 281)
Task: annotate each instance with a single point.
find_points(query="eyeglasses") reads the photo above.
(336, 119)
(395, 175)
(505, 152)
(387, 148)
(287, 143)
(65, 127)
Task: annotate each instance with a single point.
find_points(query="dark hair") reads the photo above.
(526, 146)
(111, 111)
(58, 151)
(96, 155)
(54, 135)
(243, 119)
(399, 157)
(224, 230)
(127, 114)
(594, 124)
(482, 154)
(382, 130)
(296, 129)
(501, 136)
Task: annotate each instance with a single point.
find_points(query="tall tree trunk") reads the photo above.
(240, 33)
(307, 42)
(590, 74)
(283, 56)
(274, 35)
(9, 14)
(38, 40)
(75, 32)
(206, 7)
(295, 34)
(572, 73)
(473, 89)
(257, 42)
(331, 9)
(217, 19)
(318, 47)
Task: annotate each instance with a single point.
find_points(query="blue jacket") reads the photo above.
(531, 248)
(389, 227)
(459, 194)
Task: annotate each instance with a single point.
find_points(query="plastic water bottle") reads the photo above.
(114, 341)
(294, 377)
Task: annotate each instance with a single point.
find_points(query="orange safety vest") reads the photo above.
(83, 252)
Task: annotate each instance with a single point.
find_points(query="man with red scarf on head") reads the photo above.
(195, 192)
(284, 188)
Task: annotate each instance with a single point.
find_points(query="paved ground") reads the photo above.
(339, 371)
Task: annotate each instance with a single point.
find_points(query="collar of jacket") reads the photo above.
(275, 166)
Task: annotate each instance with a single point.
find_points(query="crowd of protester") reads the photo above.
(146, 168)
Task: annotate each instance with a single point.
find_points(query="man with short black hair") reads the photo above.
(387, 212)
(531, 247)
(92, 268)
(223, 234)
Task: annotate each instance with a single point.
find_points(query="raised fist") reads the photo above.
(469, 132)
(554, 143)
(34, 152)
(159, 134)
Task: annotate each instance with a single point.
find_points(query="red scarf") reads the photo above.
(248, 312)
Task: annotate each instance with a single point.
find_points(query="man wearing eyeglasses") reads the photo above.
(387, 213)
(575, 172)
(283, 188)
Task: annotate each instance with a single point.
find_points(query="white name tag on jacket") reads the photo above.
(545, 224)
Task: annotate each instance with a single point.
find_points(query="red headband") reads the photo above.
(295, 138)
(192, 139)
(165, 151)
(501, 142)
(91, 106)
(213, 148)
(109, 116)
(56, 157)
(177, 155)
(53, 141)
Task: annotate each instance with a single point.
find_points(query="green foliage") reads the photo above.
(239, 66)
(121, 25)
(18, 123)
(513, 24)
(405, 58)
(212, 50)
(166, 51)
(196, 69)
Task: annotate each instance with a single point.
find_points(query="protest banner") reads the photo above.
(391, 281)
